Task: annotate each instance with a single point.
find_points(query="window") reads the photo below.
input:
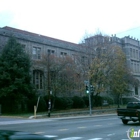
(63, 54)
(137, 67)
(51, 52)
(130, 52)
(36, 53)
(84, 60)
(137, 54)
(38, 79)
(133, 53)
(132, 66)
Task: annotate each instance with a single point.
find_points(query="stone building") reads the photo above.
(37, 45)
(131, 48)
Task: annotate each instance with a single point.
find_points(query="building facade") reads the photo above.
(131, 48)
(37, 45)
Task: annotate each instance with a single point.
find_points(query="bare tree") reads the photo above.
(62, 76)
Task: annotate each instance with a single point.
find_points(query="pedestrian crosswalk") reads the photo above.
(78, 138)
(71, 138)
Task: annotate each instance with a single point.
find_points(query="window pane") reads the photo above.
(38, 79)
(34, 50)
(38, 50)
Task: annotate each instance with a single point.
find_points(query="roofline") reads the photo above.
(35, 34)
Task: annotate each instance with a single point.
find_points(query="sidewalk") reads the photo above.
(77, 114)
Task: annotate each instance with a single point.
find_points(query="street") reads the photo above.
(107, 127)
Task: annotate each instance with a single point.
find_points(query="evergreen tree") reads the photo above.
(15, 79)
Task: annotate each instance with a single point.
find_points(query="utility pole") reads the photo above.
(49, 87)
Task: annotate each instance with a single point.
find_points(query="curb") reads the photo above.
(102, 112)
(79, 117)
(70, 117)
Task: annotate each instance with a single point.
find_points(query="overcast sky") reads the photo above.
(69, 20)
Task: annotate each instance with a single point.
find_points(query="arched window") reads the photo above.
(38, 79)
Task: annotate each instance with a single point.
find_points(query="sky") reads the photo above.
(71, 20)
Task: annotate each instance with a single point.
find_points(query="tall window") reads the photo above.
(137, 54)
(133, 53)
(36, 53)
(130, 52)
(38, 79)
(137, 67)
(132, 66)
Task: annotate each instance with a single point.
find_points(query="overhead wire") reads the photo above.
(128, 30)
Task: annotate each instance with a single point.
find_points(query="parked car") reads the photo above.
(18, 135)
(130, 113)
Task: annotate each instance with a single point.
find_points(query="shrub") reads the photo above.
(63, 103)
(33, 102)
(11, 106)
(86, 100)
(78, 102)
(108, 99)
(58, 103)
(41, 105)
(97, 101)
(69, 103)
